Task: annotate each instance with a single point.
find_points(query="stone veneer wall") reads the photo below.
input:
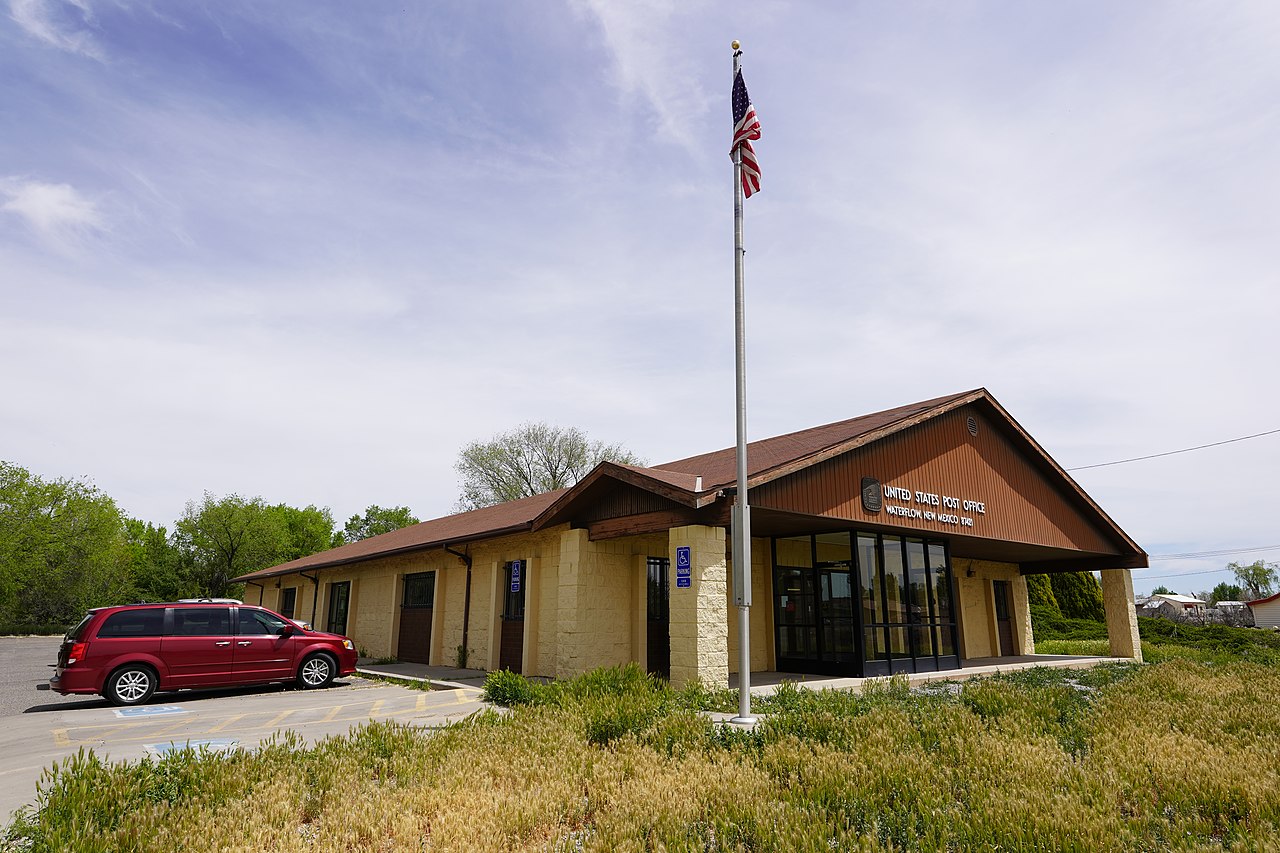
(763, 656)
(699, 617)
(978, 637)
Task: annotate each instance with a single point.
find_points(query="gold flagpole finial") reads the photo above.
(735, 45)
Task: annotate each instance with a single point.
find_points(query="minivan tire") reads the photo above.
(131, 685)
(316, 671)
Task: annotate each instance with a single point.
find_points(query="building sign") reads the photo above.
(515, 575)
(684, 568)
(871, 495)
(920, 505)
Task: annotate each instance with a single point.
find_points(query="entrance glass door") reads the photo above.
(814, 597)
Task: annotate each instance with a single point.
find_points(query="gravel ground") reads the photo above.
(24, 663)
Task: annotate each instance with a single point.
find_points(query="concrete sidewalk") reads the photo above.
(762, 683)
(439, 677)
(766, 683)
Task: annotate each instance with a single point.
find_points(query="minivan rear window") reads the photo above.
(133, 623)
(73, 636)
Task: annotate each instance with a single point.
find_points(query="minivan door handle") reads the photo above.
(222, 643)
(245, 643)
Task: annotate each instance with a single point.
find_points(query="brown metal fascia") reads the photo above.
(864, 439)
(551, 514)
(1084, 564)
(1052, 466)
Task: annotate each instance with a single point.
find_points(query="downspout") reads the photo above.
(315, 593)
(261, 590)
(466, 599)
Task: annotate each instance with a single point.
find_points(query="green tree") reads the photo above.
(1162, 590)
(226, 537)
(529, 460)
(160, 571)
(62, 549)
(1079, 595)
(1226, 592)
(1040, 592)
(1257, 579)
(376, 521)
(309, 530)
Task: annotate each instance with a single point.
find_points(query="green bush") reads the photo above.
(1078, 594)
(508, 689)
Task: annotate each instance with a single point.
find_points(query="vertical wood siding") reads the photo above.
(940, 456)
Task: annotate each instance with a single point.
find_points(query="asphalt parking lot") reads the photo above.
(38, 728)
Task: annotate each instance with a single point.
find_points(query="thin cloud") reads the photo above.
(61, 23)
(638, 38)
(57, 213)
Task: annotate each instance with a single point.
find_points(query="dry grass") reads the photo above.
(1178, 755)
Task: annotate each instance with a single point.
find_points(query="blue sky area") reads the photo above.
(307, 251)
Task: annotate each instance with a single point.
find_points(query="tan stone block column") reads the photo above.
(1122, 619)
(1024, 639)
(699, 612)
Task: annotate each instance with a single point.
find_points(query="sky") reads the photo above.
(308, 250)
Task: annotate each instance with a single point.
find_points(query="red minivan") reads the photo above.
(129, 652)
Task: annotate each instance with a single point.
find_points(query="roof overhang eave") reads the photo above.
(392, 552)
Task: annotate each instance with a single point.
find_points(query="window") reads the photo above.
(133, 623)
(259, 623)
(513, 600)
(201, 621)
(419, 589)
(288, 601)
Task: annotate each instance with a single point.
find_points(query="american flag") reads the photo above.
(746, 127)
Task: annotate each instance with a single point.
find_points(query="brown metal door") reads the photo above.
(511, 648)
(415, 618)
(1004, 618)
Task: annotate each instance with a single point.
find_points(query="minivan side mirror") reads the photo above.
(288, 630)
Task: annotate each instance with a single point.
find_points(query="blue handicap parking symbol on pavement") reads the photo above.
(212, 745)
(150, 711)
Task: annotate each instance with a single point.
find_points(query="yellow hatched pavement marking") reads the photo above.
(377, 706)
(278, 718)
(60, 738)
(228, 721)
(173, 728)
(333, 712)
(422, 703)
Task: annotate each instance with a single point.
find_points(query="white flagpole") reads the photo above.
(741, 510)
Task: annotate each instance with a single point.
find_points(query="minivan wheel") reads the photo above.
(130, 685)
(316, 671)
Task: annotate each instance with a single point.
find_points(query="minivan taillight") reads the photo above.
(78, 651)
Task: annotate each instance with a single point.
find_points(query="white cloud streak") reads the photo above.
(63, 25)
(57, 213)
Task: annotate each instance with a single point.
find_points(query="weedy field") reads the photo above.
(1176, 755)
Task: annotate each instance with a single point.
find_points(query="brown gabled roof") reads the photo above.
(694, 482)
(510, 517)
(773, 457)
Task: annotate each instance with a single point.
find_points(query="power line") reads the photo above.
(1173, 452)
(1183, 575)
(1192, 555)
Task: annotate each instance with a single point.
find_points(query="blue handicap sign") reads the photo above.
(150, 711)
(515, 575)
(682, 560)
